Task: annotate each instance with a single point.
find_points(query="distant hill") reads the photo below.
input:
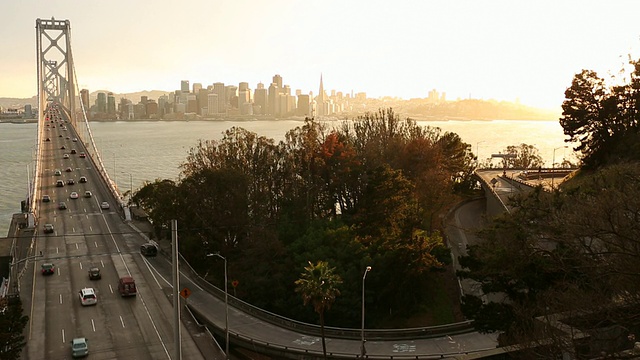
(19, 103)
(135, 96)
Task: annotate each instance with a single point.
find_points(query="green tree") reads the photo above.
(603, 120)
(12, 323)
(522, 157)
(318, 286)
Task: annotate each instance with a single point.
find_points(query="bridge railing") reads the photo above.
(94, 154)
(489, 186)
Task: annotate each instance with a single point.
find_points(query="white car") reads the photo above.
(73, 195)
(104, 205)
(87, 297)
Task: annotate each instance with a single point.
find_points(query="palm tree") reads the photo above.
(318, 286)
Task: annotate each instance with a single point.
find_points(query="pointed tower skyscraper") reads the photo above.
(320, 99)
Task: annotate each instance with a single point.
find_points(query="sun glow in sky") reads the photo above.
(503, 50)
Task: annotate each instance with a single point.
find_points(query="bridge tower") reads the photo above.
(55, 67)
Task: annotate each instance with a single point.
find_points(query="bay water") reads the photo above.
(138, 151)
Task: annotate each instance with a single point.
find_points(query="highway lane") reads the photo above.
(85, 235)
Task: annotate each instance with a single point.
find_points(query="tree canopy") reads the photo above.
(603, 120)
(364, 193)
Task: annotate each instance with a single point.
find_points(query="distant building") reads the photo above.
(304, 106)
(196, 88)
(218, 89)
(111, 104)
(277, 79)
(272, 101)
(184, 86)
(203, 101)
(260, 99)
(84, 99)
(101, 103)
(28, 112)
(212, 104)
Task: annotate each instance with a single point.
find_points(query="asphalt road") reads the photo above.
(85, 235)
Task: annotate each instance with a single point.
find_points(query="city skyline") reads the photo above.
(493, 50)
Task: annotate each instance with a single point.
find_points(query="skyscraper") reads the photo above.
(218, 89)
(184, 86)
(260, 100)
(277, 79)
(320, 100)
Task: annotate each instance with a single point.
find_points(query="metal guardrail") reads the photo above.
(490, 187)
(335, 332)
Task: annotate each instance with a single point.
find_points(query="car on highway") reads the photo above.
(47, 139)
(88, 194)
(82, 155)
(94, 274)
(59, 135)
(79, 347)
(73, 151)
(68, 169)
(46, 198)
(87, 297)
(63, 147)
(59, 183)
(48, 228)
(83, 179)
(104, 205)
(75, 139)
(47, 269)
(127, 286)
(62, 205)
(148, 249)
(65, 156)
(74, 195)
(57, 172)
(71, 182)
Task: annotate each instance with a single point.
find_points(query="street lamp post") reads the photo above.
(363, 351)
(478, 153)
(130, 184)
(553, 164)
(226, 303)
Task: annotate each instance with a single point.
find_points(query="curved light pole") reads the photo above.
(363, 351)
(226, 304)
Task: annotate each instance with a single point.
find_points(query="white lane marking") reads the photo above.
(91, 228)
(121, 321)
(139, 296)
(95, 243)
(93, 325)
(60, 299)
(102, 263)
(77, 246)
(146, 262)
(63, 341)
(110, 288)
(81, 265)
(57, 250)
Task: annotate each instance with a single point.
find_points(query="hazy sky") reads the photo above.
(484, 49)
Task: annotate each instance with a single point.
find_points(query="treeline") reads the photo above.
(365, 193)
(563, 270)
